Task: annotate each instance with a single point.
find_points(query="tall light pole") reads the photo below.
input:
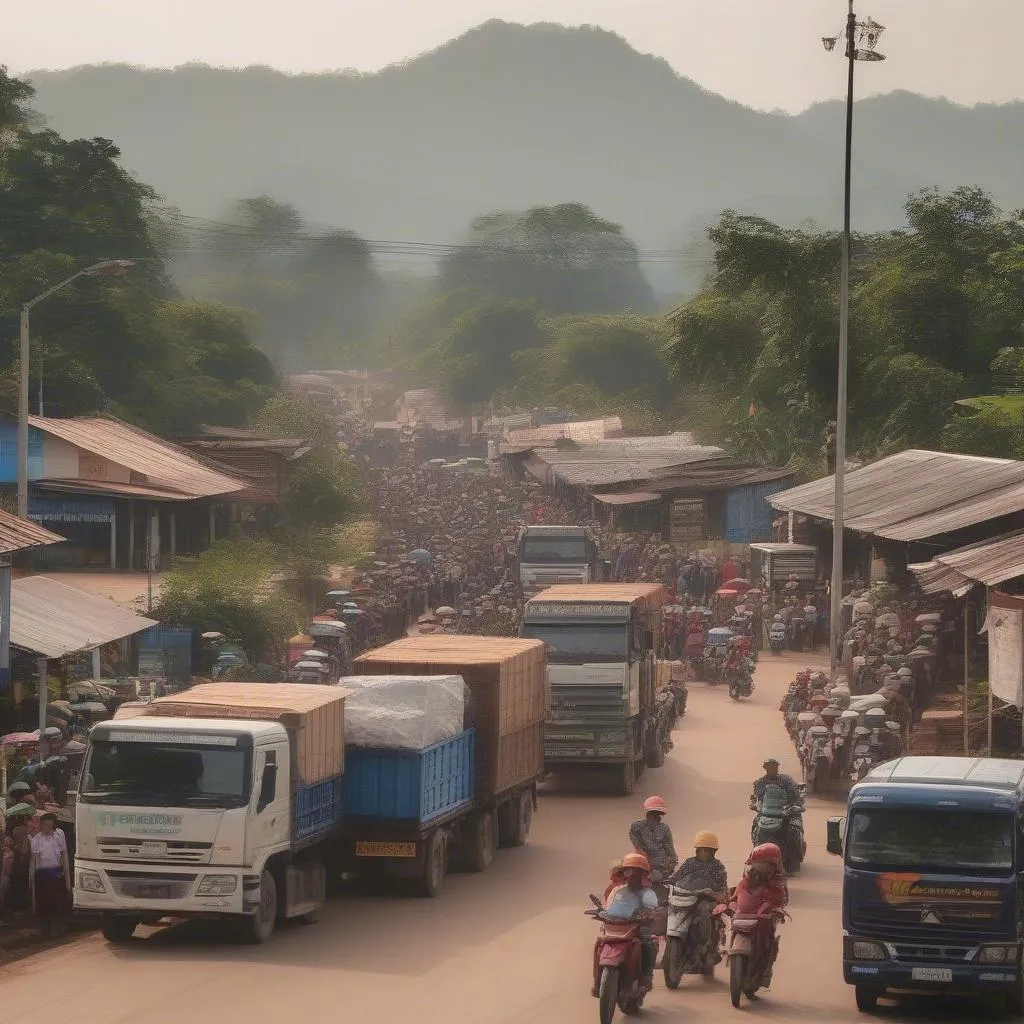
(105, 268)
(861, 40)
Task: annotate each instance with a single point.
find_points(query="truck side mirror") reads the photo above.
(834, 836)
(268, 788)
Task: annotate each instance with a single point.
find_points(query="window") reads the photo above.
(582, 641)
(543, 550)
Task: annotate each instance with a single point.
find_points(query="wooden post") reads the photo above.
(113, 538)
(967, 672)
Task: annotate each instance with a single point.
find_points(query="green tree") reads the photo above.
(229, 589)
(322, 491)
(296, 417)
(564, 257)
(992, 432)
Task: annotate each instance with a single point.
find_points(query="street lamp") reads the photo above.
(105, 268)
(861, 42)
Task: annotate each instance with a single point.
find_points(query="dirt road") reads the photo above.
(508, 947)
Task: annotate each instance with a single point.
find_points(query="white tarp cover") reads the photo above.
(403, 712)
(1005, 665)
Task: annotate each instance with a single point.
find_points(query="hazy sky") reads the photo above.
(765, 53)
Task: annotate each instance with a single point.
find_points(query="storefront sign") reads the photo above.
(71, 510)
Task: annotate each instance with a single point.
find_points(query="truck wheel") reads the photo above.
(117, 930)
(435, 864)
(655, 751)
(514, 820)
(627, 779)
(259, 927)
(481, 843)
(867, 998)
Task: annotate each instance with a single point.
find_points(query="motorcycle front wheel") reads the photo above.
(672, 962)
(608, 993)
(737, 977)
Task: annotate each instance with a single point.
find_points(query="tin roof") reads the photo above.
(582, 430)
(915, 494)
(165, 466)
(17, 534)
(52, 619)
(629, 498)
(989, 562)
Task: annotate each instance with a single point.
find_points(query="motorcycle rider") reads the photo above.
(634, 901)
(653, 838)
(773, 777)
(763, 882)
(705, 871)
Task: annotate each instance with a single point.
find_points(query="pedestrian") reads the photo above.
(49, 874)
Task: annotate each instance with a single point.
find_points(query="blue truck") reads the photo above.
(933, 879)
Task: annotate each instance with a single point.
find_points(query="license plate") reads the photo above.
(932, 974)
(385, 849)
(153, 892)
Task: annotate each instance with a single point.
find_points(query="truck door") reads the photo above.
(269, 807)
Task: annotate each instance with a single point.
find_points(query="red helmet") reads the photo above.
(656, 803)
(766, 853)
(636, 860)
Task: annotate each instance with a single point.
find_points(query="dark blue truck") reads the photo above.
(933, 879)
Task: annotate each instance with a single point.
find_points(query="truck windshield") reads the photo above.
(552, 550)
(932, 839)
(165, 775)
(582, 642)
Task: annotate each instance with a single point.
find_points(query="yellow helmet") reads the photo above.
(705, 841)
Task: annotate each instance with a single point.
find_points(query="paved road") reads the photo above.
(508, 947)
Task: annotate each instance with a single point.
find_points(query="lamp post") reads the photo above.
(105, 268)
(861, 40)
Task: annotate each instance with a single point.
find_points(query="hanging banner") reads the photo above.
(1006, 654)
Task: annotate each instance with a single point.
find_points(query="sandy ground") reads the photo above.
(507, 947)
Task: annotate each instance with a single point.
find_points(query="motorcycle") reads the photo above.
(777, 637)
(818, 758)
(746, 974)
(618, 965)
(862, 757)
(740, 679)
(686, 911)
(782, 825)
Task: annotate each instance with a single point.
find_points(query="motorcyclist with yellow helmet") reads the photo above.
(704, 872)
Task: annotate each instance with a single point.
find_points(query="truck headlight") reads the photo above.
(868, 951)
(217, 885)
(997, 954)
(90, 881)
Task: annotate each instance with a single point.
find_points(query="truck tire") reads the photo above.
(514, 820)
(627, 779)
(259, 927)
(480, 843)
(117, 930)
(655, 751)
(435, 863)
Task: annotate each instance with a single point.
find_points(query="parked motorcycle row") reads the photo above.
(726, 653)
(839, 737)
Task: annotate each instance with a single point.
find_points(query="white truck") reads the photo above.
(224, 801)
(550, 555)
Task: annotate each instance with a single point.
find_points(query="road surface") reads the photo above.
(510, 946)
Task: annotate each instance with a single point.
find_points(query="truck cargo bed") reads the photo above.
(319, 808)
(419, 786)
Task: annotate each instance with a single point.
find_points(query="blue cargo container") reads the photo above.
(421, 786)
(319, 808)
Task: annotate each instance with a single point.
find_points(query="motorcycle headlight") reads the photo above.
(90, 881)
(217, 885)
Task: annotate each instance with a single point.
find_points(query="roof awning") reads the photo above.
(52, 619)
(989, 562)
(628, 498)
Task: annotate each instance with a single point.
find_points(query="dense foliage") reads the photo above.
(131, 346)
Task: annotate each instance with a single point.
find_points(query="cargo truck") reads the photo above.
(547, 555)
(413, 814)
(606, 712)
(224, 801)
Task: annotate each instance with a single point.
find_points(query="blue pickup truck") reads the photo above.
(933, 879)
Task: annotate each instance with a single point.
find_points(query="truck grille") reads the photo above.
(177, 851)
(905, 926)
(930, 954)
(151, 886)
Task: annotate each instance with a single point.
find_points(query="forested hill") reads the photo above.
(507, 117)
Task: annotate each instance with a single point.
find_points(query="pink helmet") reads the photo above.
(766, 853)
(656, 803)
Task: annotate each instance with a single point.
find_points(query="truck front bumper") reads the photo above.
(939, 976)
(152, 891)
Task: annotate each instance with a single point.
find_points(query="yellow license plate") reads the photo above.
(385, 849)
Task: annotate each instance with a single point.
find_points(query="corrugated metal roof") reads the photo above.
(618, 460)
(915, 494)
(989, 562)
(52, 619)
(107, 487)
(164, 465)
(629, 498)
(17, 534)
(717, 477)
